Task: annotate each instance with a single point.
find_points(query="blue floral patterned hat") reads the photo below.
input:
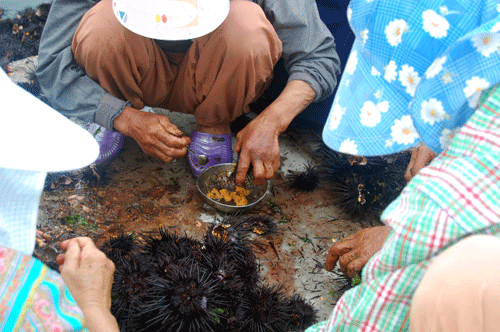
(415, 74)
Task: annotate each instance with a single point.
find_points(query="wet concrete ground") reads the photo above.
(141, 194)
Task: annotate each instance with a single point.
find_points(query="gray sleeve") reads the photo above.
(308, 46)
(65, 85)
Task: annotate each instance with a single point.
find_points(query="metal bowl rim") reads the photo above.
(227, 206)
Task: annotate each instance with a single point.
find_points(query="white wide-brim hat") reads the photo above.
(171, 19)
(35, 137)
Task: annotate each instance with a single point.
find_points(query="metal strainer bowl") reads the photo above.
(216, 175)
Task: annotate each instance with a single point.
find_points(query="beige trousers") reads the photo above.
(460, 292)
(216, 79)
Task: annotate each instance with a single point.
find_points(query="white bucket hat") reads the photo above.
(171, 19)
(34, 139)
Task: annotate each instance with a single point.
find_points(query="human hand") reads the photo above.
(420, 157)
(155, 134)
(87, 273)
(257, 144)
(354, 251)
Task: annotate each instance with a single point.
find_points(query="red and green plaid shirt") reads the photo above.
(457, 195)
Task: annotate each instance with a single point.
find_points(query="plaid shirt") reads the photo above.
(458, 194)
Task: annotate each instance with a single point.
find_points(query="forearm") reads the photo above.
(296, 96)
(309, 52)
(100, 320)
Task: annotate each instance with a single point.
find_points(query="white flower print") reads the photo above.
(389, 143)
(475, 84)
(445, 11)
(394, 31)
(364, 35)
(375, 72)
(351, 64)
(371, 113)
(495, 28)
(446, 137)
(348, 146)
(473, 90)
(436, 25)
(436, 67)
(447, 78)
(498, 8)
(390, 71)
(403, 131)
(378, 94)
(336, 116)
(349, 13)
(433, 111)
(486, 43)
(409, 78)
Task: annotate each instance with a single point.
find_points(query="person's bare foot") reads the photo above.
(222, 129)
(354, 251)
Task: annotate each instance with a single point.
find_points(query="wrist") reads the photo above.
(296, 96)
(277, 118)
(100, 319)
(122, 121)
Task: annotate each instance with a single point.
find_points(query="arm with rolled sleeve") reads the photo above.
(63, 82)
(313, 65)
(308, 46)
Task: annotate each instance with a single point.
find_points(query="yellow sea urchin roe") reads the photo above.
(214, 193)
(240, 200)
(238, 196)
(242, 190)
(226, 195)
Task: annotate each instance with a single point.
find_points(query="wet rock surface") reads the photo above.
(141, 195)
(137, 195)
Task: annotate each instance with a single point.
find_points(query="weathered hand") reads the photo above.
(87, 273)
(354, 251)
(420, 157)
(155, 134)
(257, 144)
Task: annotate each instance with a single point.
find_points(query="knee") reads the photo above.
(100, 39)
(248, 33)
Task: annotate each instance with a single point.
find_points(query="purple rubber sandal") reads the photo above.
(218, 149)
(110, 143)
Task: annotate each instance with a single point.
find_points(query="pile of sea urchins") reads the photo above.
(169, 282)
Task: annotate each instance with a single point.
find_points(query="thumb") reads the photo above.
(72, 256)
(331, 260)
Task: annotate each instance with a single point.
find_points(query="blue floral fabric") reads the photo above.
(415, 73)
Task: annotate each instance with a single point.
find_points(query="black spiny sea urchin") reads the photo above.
(363, 185)
(119, 247)
(132, 280)
(307, 180)
(175, 283)
(185, 300)
(301, 314)
(262, 309)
